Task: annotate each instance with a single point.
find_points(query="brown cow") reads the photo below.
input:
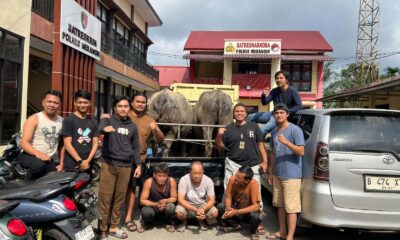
(171, 107)
(213, 108)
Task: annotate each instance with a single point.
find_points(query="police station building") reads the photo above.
(250, 59)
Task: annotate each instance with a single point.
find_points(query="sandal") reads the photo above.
(227, 229)
(119, 234)
(261, 230)
(130, 226)
(170, 228)
(103, 236)
(275, 235)
(254, 237)
(141, 229)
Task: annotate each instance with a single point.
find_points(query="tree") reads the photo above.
(391, 72)
(335, 83)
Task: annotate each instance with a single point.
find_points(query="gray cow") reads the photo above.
(213, 108)
(171, 107)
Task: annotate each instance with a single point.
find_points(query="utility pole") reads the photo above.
(367, 53)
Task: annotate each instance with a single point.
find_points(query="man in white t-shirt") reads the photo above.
(40, 138)
(196, 198)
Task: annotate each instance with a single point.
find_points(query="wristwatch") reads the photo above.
(80, 161)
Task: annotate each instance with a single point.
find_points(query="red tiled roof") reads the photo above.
(172, 74)
(291, 40)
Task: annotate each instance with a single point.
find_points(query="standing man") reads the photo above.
(196, 198)
(146, 126)
(282, 94)
(287, 146)
(40, 138)
(80, 134)
(158, 198)
(120, 152)
(244, 143)
(242, 203)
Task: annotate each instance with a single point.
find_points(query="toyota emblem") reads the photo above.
(388, 159)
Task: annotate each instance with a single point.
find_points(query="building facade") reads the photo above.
(15, 26)
(250, 59)
(45, 61)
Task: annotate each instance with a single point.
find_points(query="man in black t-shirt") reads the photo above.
(244, 143)
(80, 135)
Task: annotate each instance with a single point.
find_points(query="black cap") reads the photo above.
(281, 106)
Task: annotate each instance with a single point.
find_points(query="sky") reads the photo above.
(337, 20)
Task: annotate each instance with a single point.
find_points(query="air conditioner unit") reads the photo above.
(40, 66)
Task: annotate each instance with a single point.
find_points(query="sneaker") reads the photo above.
(181, 227)
(203, 226)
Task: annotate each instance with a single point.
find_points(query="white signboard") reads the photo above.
(79, 29)
(237, 47)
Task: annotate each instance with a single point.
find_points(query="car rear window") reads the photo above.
(306, 123)
(363, 131)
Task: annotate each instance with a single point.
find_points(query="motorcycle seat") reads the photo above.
(50, 178)
(36, 192)
(57, 177)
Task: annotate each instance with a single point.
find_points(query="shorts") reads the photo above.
(134, 182)
(287, 194)
(191, 215)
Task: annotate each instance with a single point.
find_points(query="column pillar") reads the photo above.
(275, 67)
(372, 102)
(71, 69)
(320, 83)
(227, 72)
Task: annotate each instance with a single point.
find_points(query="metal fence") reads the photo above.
(44, 8)
(129, 55)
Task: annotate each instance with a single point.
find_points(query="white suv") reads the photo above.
(351, 168)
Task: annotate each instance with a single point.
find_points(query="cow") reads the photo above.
(167, 106)
(213, 108)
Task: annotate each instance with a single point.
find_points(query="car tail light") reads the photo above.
(17, 227)
(321, 163)
(69, 204)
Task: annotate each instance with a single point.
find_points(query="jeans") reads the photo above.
(266, 118)
(149, 214)
(113, 184)
(36, 167)
(253, 218)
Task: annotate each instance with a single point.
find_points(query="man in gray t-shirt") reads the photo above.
(196, 198)
(287, 144)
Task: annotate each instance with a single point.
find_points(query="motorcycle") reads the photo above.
(12, 228)
(78, 182)
(49, 213)
(16, 171)
(96, 162)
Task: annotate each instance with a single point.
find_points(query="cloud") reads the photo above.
(336, 20)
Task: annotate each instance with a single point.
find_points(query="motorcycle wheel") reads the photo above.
(53, 233)
(95, 172)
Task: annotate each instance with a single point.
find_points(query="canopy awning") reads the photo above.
(252, 56)
(307, 58)
(389, 87)
(204, 57)
(220, 58)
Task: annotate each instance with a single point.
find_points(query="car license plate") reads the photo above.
(381, 183)
(85, 234)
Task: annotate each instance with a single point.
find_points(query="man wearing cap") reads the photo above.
(287, 144)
